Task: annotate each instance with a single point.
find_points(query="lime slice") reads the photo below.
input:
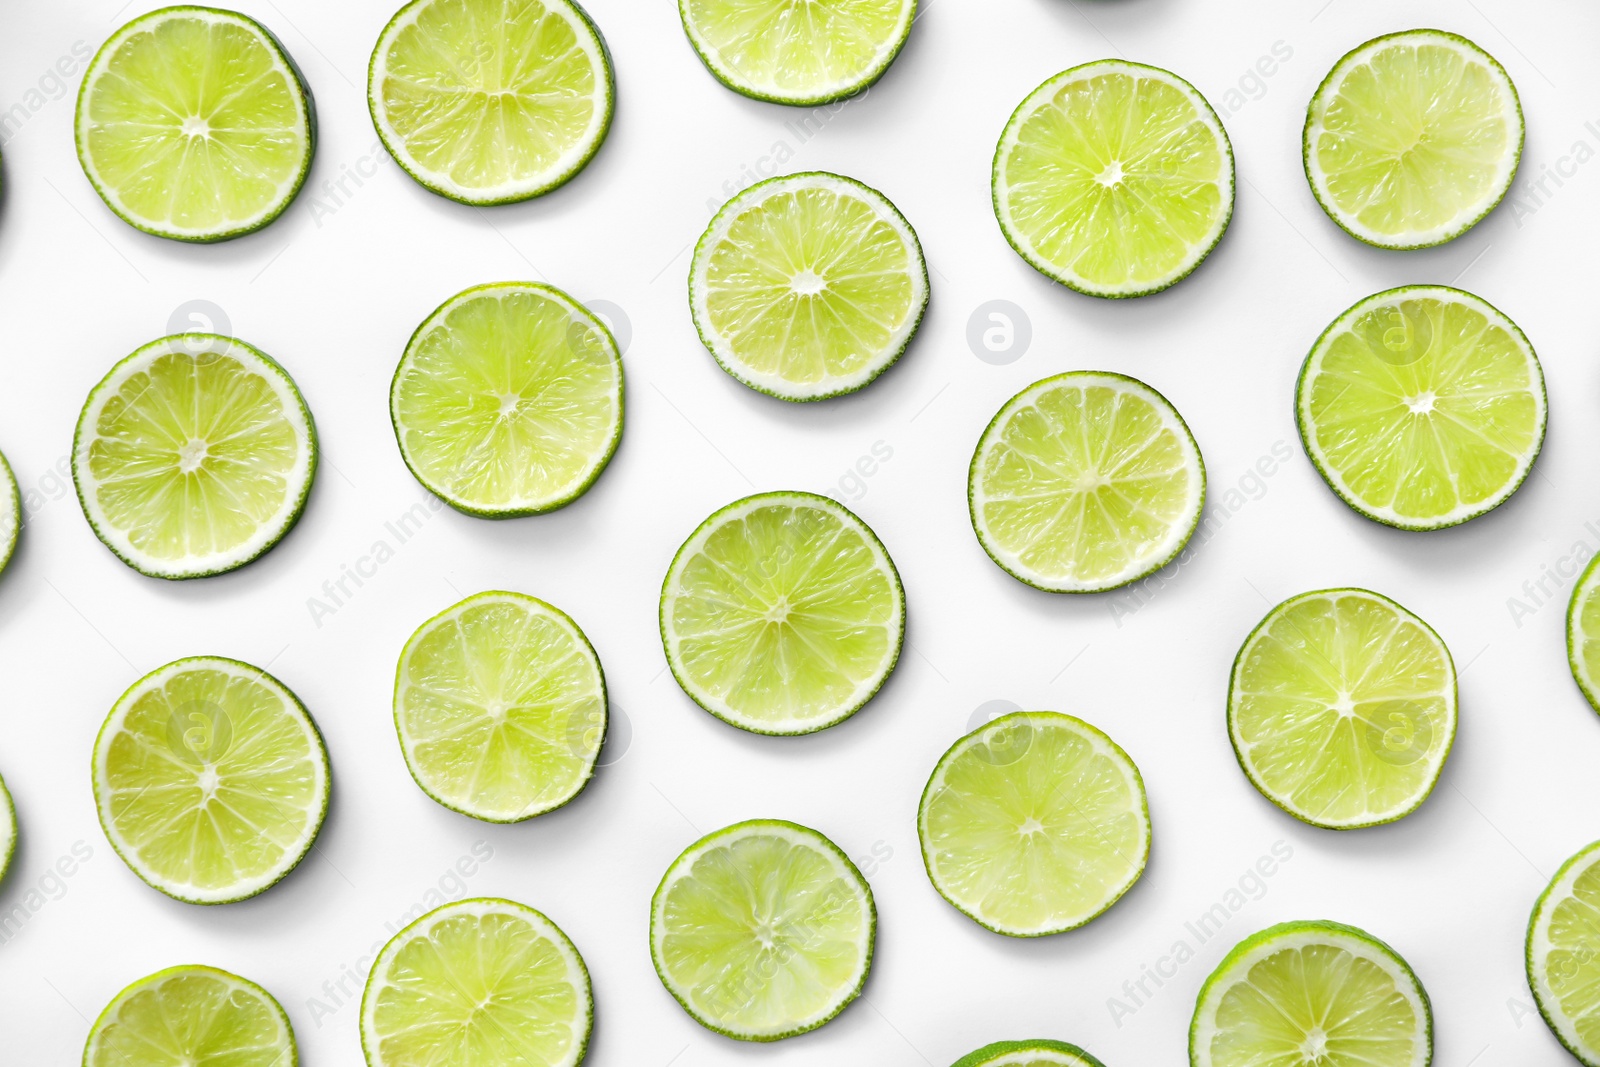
(10, 513)
(8, 830)
(782, 614)
(1034, 824)
(211, 780)
(1342, 708)
(805, 52)
(508, 400)
(1084, 482)
(491, 101)
(192, 1017)
(1312, 993)
(194, 124)
(1412, 139)
(1422, 407)
(1583, 633)
(193, 456)
(475, 983)
(763, 930)
(1114, 179)
(808, 286)
(501, 707)
(1036, 1053)
(1564, 955)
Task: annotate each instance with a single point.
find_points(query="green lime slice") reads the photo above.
(193, 123)
(1583, 633)
(1114, 179)
(1034, 824)
(1342, 708)
(194, 456)
(8, 830)
(808, 286)
(763, 930)
(1084, 482)
(803, 52)
(508, 400)
(1563, 955)
(192, 1017)
(1422, 407)
(1312, 993)
(491, 101)
(500, 704)
(211, 780)
(10, 513)
(477, 982)
(1039, 1052)
(782, 614)
(1412, 139)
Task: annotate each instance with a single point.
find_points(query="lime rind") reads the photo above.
(598, 461)
(1179, 533)
(868, 76)
(1538, 946)
(589, 38)
(1387, 515)
(577, 972)
(108, 812)
(1241, 747)
(1038, 98)
(580, 640)
(293, 408)
(1299, 934)
(1441, 234)
(1028, 1054)
(799, 836)
(692, 548)
(1583, 599)
(1000, 729)
(10, 513)
(288, 1056)
(776, 385)
(286, 65)
(8, 830)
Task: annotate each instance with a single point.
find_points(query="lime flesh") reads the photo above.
(782, 614)
(1036, 1053)
(194, 124)
(210, 779)
(1034, 824)
(1583, 633)
(192, 1017)
(1422, 407)
(1114, 179)
(501, 707)
(1563, 955)
(1342, 708)
(763, 930)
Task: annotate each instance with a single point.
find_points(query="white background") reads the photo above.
(334, 294)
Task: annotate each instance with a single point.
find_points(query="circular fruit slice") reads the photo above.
(500, 704)
(1114, 179)
(192, 1015)
(1342, 708)
(1412, 139)
(8, 830)
(10, 513)
(1314, 993)
(508, 400)
(193, 456)
(1563, 955)
(1084, 482)
(194, 124)
(475, 983)
(782, 614)
(1036, 1053)
(491, 101)
(804, 52)
(808, 286)
(1034, 824)
(763, 930)
(1583, 633)
(1422, 407)
(211, 780)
